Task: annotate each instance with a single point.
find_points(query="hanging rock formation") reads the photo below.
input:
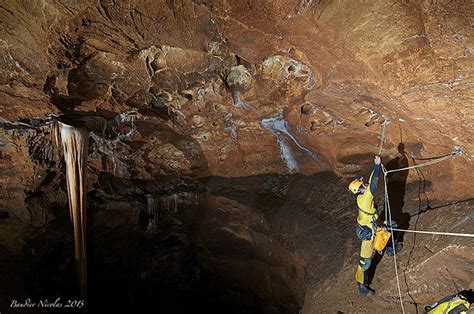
(75, 144)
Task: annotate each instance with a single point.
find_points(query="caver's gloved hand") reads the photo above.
(392, 225)
(377, 160)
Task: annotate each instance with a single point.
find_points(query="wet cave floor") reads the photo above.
(219, 245)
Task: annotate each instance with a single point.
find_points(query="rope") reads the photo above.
(387, 209)
(469, 235)
(456, 152)
(385, 191)
(385, 122)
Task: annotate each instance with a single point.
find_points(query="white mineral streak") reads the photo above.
(75, 142)
(239, 102)
(231, 127)
(278, 126)
(287, 155)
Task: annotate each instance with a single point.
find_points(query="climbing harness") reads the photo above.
(366, 212)
(388, 212)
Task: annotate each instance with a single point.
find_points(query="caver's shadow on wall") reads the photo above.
(396, 186)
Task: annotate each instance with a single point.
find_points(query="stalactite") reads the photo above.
(169, 205)
(75, 143)
(152, 212)
(173, 201)
(151, 205)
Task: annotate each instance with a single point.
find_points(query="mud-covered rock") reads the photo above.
(239, 78)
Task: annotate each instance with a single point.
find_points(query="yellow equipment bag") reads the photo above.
(452, 304)
(381, 239)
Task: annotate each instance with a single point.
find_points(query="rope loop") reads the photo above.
(388, 213)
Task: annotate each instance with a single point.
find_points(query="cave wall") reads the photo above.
(178, 89)
(333, 69)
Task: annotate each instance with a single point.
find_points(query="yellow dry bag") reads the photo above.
(381, 239)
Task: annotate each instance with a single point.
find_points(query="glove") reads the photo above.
(377, 160)
(394, 224)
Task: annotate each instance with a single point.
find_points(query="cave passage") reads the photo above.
(234, 245)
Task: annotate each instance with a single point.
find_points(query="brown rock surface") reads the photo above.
(184, 90)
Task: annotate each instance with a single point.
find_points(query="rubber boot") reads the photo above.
(398, 248)
(365, 290)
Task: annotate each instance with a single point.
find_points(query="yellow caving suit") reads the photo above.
(366, 225)
(453, 304)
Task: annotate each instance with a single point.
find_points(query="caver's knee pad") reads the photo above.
(365, 263)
